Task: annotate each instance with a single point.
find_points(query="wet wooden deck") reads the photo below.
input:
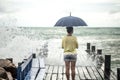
(82, 73)
(57, 72)
(52, 67)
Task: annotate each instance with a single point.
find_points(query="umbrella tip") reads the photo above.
(70, 13)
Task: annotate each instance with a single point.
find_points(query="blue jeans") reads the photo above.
(70, 57)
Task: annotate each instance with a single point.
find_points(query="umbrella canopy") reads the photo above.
(70, 21)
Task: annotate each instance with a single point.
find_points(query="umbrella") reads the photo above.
(70, 21)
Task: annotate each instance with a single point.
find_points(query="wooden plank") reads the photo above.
(76, 70)
(54, 73)
(86, 73)
(60, 76)
(45, 76)
(64, 77)
(98, 77)
(42, 63)
(55, 70)
(60, 69)
(33, 72)
(41, 74)
(60, 72)
(100, 72)
(48, 76)
(77, 77)
(81, 74)
(91, 73)
(35, 62)
(54, 76)
(64, 69)
(50, 70)
(46, 70)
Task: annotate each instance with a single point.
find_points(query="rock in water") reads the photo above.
(3, 74)
(9, 67)
(10, 76)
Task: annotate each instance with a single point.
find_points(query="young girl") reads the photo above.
(69, 44)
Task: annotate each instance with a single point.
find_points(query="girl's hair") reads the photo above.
(69, 29)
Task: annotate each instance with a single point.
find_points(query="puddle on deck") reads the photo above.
(53, 54)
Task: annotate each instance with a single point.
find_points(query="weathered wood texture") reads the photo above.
(24, 68)
(37, 71)
(82, 73)
(86, 68)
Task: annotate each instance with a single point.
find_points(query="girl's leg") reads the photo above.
(67, 65)
(73, 69)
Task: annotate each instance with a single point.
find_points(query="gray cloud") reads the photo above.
(111, 8)
(8, 6)
(115, 8)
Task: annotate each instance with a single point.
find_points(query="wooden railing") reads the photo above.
(24, 67)
(105, 60)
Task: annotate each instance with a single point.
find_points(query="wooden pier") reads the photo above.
(82, 73)
(87, 65)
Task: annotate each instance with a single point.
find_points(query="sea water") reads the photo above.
(20, 42)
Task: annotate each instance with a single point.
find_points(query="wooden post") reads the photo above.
(88, 47)
(99, 51)
(25, 59)
(93, 48)
(99, 58)
(10, 59)
(107, 67)
(30, 64)
(34, 55)
(19, 64)
(118, 73)
(19, 76)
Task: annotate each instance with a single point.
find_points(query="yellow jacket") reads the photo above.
(69, 44)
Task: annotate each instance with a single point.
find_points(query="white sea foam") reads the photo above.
(20, 47)
(19, 43)
(15, 46)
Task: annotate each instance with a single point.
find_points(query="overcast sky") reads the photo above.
(42, 13)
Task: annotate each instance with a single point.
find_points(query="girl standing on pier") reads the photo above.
(69, 44)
